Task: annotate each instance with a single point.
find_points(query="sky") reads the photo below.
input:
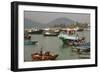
(46, 17)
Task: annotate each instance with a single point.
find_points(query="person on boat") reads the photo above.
(47, 53)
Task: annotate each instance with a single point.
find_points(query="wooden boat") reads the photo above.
(43, 56)
(46, 56)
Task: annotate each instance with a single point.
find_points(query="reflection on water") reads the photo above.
(54, 45)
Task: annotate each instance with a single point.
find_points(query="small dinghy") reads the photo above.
(29, 42)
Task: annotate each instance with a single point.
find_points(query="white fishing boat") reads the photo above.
(50, 32)
(71, 37)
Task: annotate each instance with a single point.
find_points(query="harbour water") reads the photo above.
(54, 45)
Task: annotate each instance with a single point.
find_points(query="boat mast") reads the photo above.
(41, 52)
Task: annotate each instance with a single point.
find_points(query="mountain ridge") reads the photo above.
(56, 22)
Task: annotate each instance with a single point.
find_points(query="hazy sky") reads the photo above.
(46, 17)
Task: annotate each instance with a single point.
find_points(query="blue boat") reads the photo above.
(84, 47)
(29, 42)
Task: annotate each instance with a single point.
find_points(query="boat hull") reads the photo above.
(36, 32)
(28, 42)
(42, 57)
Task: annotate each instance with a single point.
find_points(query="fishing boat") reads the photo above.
(50, 33)
(43, 56)
(66, 38)
(70, 37)
(35, 31)
(82, 48)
